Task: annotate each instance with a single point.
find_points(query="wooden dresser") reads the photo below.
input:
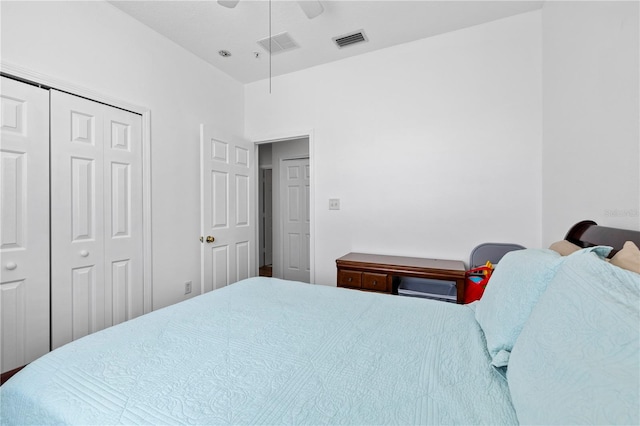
(374, 272)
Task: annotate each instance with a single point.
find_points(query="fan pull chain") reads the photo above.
(270, 41)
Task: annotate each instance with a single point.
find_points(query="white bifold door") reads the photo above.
(24, 228)
(228, 253)
(96, 217)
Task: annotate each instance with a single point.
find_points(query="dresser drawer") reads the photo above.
(375, 282)
(348, 278)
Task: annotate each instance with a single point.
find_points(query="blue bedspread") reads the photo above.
(266, 351)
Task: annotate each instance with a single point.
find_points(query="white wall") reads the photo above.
(432, 146)
(591, 132)
(94, 45)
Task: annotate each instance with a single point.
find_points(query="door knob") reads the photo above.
(11, 266)
(210, 239)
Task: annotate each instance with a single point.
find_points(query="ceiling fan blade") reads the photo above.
(311, 8)
(228, 3)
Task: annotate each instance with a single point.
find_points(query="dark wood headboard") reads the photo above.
(588, 234)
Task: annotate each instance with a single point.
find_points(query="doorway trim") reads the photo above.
(30, 76)
(282, 137)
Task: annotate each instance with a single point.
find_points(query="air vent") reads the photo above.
(350, 39)
(279, 43)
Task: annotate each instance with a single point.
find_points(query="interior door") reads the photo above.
(296, 235)
(24, 218)
(226, 210)
(96, 216)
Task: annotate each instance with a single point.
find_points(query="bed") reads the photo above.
(267, 351)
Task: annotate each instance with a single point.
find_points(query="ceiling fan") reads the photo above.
(311, 8)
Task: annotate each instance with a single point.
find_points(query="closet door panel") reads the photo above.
(77, 206)
(24, 223)
(123, 215)
(97, 253)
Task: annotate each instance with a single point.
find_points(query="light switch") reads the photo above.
(334, 204)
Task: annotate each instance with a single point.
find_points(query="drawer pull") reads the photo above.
(375, 282)
(349, 279)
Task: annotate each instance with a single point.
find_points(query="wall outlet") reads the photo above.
(187, 287)
(334, 204)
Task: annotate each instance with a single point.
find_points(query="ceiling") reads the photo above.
(205, 27)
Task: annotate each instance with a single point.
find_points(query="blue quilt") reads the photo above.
(266, 351)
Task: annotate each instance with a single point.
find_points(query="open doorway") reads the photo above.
(284, 187)
(265, 213)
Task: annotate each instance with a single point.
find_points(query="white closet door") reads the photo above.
(96, 217)
(124, 298)
(24, 218)
(296, 235)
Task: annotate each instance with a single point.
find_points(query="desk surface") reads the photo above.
(404, 261)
